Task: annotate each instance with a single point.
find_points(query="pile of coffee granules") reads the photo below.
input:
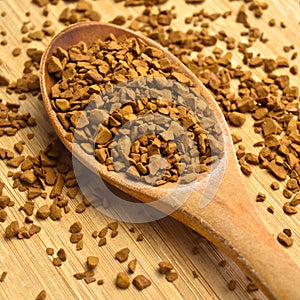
(271, 101)
(83, 72)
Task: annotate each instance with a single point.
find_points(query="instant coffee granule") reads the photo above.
(122, 280)
(3, 276)
(41, 296)
(141, 282)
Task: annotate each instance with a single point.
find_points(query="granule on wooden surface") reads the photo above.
(92, 262)
(80, 208)
(34, 229)
(102, 242)
(261, 197)
(41, 296)
(57, 262)
(122, 255)
(285, 240)
(132, 265)
(89, 280)
(100, 281)
(195, 274)
(103, 232)
(61, 253)
(12, 229)
(114, 233)
(141, 282)
(223, 263)
(122, 280)
(43, 212)
(172, 276)
(251, 287)
(3, 215)
(275, 185)
(287, 231)
(232, 285)
(94, 234)
(76, 237)
(271, 209)
(79, 245)
(140, 237)
(50, 251)
(113, 225)
(246, 169)
(165, 267)
(3, 276)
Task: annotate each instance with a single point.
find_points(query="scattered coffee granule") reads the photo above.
(232, 285)
(41, 296)
(103, 232)
(251, 287)
(122, 280)
(102, 242)
(16, 52)
(271, 209)
(285, 240)
(260, 197)
(12, 229)
(56, 262)
(287, 194)
(140, 238)
(28, 208)
(4, 201)
(34, 229)
(95, 234)
(132, 229)
(55, 212)
(289, 209)
(50, 251)
(223, 263)
(122, 255)
(92, 262)
(76, 237)
(296, 200)
(80, 208)
(3, 215)
(62, 254)
(3, 276)
(4, 81)
(172, 276)
(114, 233)
(141, 282)
(165, 267)
(43, 212)
(132, 265)
(287, 231)
(76, 227)
(89, 280)
(275, 185)
(79, 245)
(246, 169)
(195, 274)
(100, 281)
(294, 69)
(113, 225)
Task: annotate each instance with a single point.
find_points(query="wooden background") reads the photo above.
(30, 269)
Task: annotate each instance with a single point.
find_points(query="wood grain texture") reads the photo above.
(29, 268)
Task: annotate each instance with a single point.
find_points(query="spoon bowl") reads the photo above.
(229, 220)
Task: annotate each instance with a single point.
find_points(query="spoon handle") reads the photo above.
(232, 224)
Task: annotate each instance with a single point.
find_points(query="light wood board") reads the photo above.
(30, 269)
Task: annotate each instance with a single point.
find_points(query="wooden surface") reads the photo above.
(29, 268)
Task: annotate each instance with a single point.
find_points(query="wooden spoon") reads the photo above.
(229, 220)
